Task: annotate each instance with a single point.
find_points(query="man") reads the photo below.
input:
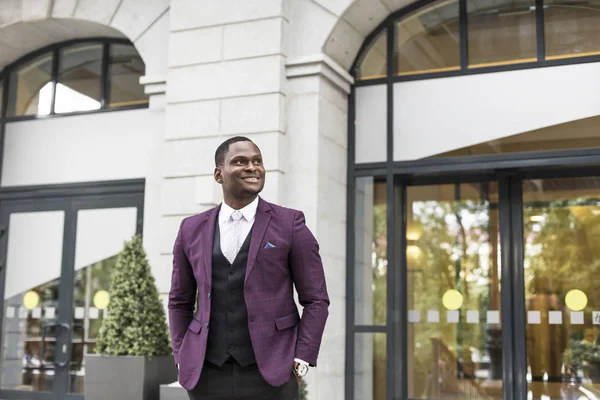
(237, 264)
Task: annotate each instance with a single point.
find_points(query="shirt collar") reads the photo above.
(249, 212)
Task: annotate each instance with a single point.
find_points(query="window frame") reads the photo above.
(390, 22)
(55, 50)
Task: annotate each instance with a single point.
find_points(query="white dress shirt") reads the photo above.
(226, 223)
(246, 223)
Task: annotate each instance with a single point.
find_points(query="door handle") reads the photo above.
(45, 328)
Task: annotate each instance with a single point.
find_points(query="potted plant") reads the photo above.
(585, 356)
(133, 352)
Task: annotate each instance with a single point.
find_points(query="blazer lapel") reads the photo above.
(263, 217)
(208, 240)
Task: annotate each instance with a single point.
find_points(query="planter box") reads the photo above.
(125, 377)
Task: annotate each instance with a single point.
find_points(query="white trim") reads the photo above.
(319, 64)
(156, 84)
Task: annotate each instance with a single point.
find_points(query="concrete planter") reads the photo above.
(125, 377)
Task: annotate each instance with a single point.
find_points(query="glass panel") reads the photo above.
(31, 88)
(79, 74)
(561, 220)
(428, 41)
(501, 32)
(370, 366)
(571, 28)
(580, 134)
(100, 237)
(453, 260)
(124, 72)
(34, 260)
(371, 124)
(370, 254)
(374, 63)
(1, 98)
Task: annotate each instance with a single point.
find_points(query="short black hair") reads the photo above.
(224, 148)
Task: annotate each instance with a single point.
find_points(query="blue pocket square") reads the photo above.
(269, 245)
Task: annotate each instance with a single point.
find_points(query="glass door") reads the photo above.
(34, 325)
(101, 233)
(468, 335)
(56, 257)
(561, 267)
(454, 335)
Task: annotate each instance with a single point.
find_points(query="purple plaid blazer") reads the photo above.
(277, 332)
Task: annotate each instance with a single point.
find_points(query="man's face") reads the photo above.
(242, 173)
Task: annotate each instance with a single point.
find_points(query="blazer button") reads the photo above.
(206, 325)
(230, 330)
(209, 296)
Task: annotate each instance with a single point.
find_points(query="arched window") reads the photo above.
(73, 77)
(455, 37)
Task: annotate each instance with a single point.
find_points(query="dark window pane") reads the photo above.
(571, 28)
(31, 88)
(370, 254)
(501, 33)
(370, 359)
(428, 41)
(374, 63)
(78, 86)
(125, 69)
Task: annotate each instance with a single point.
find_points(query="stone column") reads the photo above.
(225, 78)
(315, 182)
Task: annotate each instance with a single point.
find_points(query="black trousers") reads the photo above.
(232, 382)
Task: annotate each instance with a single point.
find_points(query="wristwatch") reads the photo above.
(301, 370)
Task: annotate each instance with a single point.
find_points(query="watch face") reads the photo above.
(301, 369)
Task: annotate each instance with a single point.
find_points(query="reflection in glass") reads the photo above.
(87, 316)
(561, 229)
(370, 257)
(571, 28)
(370, 366)
(428, 41)
(30, 89)
(31, 296)
(124, 71)
(78, 87)
(1, 98)
(374, 62)
(453, 252)
(100, 237)
(579, 134)
(501, 33)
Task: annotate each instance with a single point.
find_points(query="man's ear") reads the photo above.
(218, 175)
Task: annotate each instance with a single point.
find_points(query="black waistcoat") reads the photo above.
(228, 335)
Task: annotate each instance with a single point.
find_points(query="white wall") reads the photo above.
(438, 115)
(87, 148)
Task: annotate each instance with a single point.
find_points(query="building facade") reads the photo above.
(438, 149)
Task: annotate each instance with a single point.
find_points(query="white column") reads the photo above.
(316, 183)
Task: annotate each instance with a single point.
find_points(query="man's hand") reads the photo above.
(298, 379)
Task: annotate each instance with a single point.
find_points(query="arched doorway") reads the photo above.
(474, 190)
(65, 210)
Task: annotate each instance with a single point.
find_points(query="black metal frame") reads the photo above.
(463, 48)
(70, 199)
(509, 170)
(55, 49)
